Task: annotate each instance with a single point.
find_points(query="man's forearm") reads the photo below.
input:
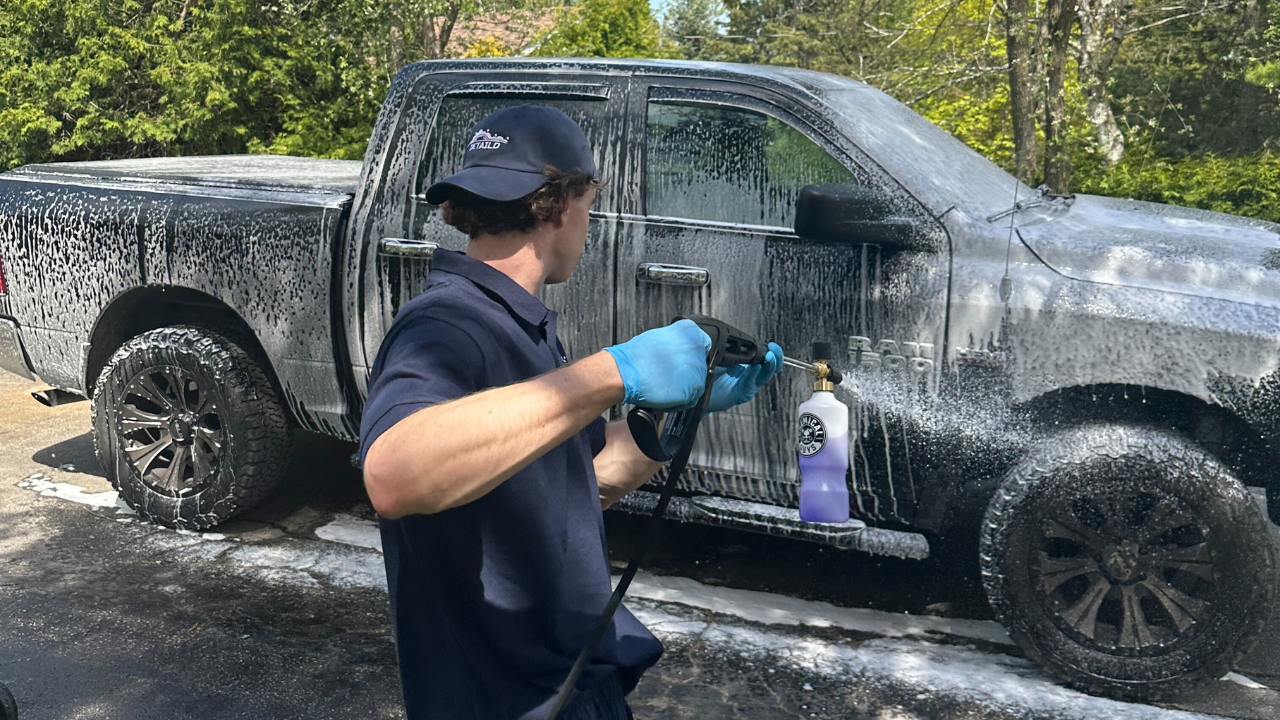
(621, 467)
(451, 454)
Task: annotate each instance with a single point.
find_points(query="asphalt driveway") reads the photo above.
(283, 614)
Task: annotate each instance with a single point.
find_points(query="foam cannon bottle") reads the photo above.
(824, 446)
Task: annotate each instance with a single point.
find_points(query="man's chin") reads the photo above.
(560, 276)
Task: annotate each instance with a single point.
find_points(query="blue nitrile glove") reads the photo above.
(664, 368)
(740, 383)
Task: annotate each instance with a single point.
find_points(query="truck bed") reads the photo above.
(258, 172)
(90, 247)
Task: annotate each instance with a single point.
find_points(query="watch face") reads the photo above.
(813, 434)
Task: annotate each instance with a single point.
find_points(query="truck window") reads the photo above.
(727, 164)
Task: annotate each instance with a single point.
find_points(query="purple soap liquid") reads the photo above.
(824, 497)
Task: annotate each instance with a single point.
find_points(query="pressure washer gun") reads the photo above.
(729, 347)
(673, 443)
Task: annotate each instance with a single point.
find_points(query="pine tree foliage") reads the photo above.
(94, 79)
(690, 24)
(606, 28)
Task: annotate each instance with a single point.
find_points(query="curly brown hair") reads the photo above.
(478, 216)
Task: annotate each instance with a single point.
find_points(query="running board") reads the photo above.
(780, 522)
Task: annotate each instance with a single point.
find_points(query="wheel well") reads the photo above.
(1238, 445)
(1222, 433)
(155, 306)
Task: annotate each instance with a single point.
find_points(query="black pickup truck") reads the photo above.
(1077, 397)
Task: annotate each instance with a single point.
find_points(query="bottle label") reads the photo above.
(813, 434)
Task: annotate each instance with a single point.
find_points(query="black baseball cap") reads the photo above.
(509, 151)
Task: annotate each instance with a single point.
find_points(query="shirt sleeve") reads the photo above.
(423, 361)
(595, 435)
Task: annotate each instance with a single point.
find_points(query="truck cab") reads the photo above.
(702, 169)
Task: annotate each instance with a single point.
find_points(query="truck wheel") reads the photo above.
(188, 427)
(1127, 561)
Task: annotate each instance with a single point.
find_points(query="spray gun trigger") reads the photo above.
(643, 424)
(741, 351)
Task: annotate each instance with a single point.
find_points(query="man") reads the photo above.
(485, 453)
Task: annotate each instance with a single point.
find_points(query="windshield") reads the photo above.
(941, 170)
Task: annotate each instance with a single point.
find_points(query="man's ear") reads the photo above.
(559, 221)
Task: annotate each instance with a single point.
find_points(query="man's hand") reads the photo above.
(740, 383)
(620, 466)
(664, 368)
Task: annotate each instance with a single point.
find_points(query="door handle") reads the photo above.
(411, 249)
(663, 274)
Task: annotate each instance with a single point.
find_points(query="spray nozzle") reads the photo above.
(823, 371)
(825, 376)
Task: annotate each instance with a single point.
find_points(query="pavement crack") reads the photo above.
(778, 700)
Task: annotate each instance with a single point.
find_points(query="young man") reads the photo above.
(485, 453)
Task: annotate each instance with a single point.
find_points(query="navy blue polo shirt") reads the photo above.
(492, 601)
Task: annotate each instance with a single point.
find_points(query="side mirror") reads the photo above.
(853, 214)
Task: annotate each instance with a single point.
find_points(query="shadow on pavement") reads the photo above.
(76, 452)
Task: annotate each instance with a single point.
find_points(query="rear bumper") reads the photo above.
(12, 355)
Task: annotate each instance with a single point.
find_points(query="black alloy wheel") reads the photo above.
(170, 430)
(1125, 573)
(189, 427)
(1128, 561)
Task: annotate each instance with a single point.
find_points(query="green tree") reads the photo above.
(95, 79)
(487, 46)
(1185, 89)
(89, 79)
(1265, 68)
(606, 28)
(689, 24)
(101, 75)
(330, 81)
(1266, 74)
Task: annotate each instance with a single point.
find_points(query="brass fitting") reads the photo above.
(822, 371)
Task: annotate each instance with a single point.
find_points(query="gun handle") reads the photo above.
(644, 424)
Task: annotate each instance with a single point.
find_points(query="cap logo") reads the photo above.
(485, 140)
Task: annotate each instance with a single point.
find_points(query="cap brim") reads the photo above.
(491, 183)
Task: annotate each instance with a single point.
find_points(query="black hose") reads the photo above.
(674, 470)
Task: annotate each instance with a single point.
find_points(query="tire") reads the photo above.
(8, 706)
(1128, 562)
(193, 396)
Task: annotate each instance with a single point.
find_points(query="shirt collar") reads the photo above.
(517, 300)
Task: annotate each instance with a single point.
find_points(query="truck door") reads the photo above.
(403, 228)
(711, 232)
